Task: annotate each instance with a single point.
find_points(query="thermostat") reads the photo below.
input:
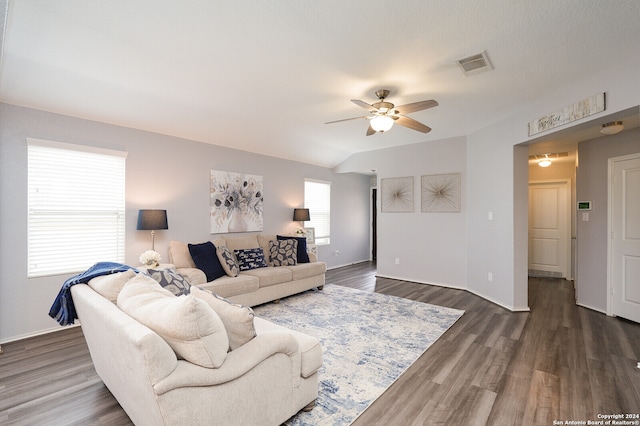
(584, 205)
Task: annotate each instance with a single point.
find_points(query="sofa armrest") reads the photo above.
(237, 363)
(195, 276)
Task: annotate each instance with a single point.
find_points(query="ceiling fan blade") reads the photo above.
(364, 105)
(412, 124)
(345, 119)
(370, 131)
(416, 106)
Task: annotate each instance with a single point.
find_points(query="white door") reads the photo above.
(549, 238)
(624, 244)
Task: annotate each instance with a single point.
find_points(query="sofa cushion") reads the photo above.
(251, 258)
(303, 257)
(188, 324)
(310, 349)
(306, 270)
(228, 261)
(179, 255)
(263, 241)
(283, 252)
(237, 319)
(270, 275)
(232, 286)
(250, 241)
(170, 280)
(205, 257)
(109, 286)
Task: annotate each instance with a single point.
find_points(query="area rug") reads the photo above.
(368, 341)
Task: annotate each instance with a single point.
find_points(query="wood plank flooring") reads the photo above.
(493, 367)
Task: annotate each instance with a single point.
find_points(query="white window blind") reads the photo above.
(317, 198)
(76, 206)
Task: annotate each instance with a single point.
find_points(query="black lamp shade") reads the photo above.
(301, 215)
(151, 220)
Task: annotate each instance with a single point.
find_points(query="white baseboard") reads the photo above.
(413, 280)
(488, 299)
(39, 333)
(591, 308)
(346, 264)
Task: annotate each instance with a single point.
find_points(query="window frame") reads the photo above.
(64, 237)
(322, 237)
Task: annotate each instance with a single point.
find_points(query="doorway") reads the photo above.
(549, 223)
(374, 224)
(624, 244)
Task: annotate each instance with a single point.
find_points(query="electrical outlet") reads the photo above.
(397, 260)
(336, 253)
(490, 276)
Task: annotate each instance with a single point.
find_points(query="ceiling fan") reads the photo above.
(383, 114)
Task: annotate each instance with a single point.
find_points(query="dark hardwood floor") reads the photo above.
(494, 367)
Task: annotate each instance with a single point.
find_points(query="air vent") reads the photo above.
(475, 64)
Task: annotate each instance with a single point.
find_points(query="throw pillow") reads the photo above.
(205, 257)
(252, 258)
(237, 319)
(227, 261)
(283, 252)
(171, 280)
(303, 257)
(188, 324)
(109, 286)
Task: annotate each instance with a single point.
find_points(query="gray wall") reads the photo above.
(592, 185)
(162, 172)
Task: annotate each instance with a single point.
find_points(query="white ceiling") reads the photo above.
(264, 76)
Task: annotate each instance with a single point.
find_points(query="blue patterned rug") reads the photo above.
(368, 341)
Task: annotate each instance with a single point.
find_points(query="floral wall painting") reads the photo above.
(397, 195)
(236, 202)
(441, 193)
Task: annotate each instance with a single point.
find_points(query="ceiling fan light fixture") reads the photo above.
(381, 123)
(612, 128)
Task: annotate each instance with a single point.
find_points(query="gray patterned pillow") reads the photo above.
(171, 280)
(252, 258)
(283, 252)
(227, 261)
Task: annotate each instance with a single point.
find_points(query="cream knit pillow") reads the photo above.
(189, 325)
(237, 319)
(109, 286)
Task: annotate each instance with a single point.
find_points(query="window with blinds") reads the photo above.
(76, 206)
(317, 198)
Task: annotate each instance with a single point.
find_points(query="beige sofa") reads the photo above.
(255, 286)
(264, 381)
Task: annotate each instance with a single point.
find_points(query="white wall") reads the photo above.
(431, 247)
(495, 171)
(592, 185)
(162, 172)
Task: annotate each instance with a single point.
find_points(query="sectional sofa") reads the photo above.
(287, 269)
(194, 359)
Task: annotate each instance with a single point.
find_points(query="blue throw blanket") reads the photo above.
(63, 309)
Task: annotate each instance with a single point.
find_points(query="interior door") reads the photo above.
(549, 238)
(624, 244)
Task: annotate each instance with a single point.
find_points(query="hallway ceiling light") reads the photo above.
(545, 162)
(612, 128)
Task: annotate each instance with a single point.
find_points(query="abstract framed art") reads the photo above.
(440, 193)
(397, 195)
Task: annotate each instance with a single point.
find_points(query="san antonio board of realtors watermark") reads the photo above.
(605, 420)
